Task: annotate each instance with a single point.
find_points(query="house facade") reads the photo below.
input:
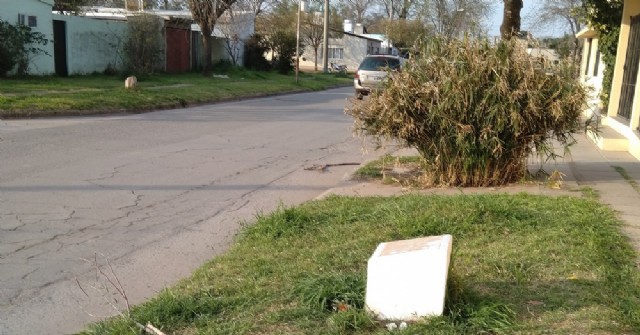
(86, 45)
(591, 66)
(37, 15)
(229, 36)
(349, 50)
(623, 115)
(94, 41)
(620, 122)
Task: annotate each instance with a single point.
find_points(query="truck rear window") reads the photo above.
(379, 63)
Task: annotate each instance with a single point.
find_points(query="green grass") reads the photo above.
(521, 265)
(95, 94)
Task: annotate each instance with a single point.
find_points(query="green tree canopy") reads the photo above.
(605, 17)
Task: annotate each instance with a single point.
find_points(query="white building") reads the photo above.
(37, 15)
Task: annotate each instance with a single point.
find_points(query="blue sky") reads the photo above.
(527, 14)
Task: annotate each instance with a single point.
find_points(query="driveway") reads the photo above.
(148, 198)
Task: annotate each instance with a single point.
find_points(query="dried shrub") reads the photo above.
(475, 111)
(144, 46)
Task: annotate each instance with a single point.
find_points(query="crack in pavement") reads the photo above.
(112, 174)
(136, 201)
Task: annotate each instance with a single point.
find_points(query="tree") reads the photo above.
(355, 9)
(236, 20)
(283, 45)
(605, 17)
(404, 33)
(109, 3)
(511, 18)
(282, 16)
(172, 4)
(144, 45)
(70, 6)
(563, 46)
(450, 18)
(206, 13)
(400, 9)
(568, 12)
(17, 45)
(254, 50)
(312, 33)
(254, 6)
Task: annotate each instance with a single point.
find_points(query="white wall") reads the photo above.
(92, 44)
(9, 11)
(354, 50)
(241, 24)
(592, 72)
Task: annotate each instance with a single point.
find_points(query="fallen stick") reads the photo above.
(324, 167)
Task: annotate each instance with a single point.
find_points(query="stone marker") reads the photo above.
(131, 82)
(406, 280)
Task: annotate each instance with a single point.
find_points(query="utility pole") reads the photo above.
(298, 41)
(325, 42)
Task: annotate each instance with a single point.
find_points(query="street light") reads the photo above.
(301, 5)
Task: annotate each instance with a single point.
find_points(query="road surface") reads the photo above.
(151, 196)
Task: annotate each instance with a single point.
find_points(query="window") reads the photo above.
(33, 21)
(377, 63)
(336, 53)
(586, 70)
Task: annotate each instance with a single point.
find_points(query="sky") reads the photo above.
(527, 14)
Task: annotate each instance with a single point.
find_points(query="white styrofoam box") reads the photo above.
(407, 280)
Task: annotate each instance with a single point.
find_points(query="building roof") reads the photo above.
(48, 2)
(587, 32)
(359, 36)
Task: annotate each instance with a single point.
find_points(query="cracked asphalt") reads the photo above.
(148, 198)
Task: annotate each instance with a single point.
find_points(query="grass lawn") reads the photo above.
(95, 94)
(521, 264)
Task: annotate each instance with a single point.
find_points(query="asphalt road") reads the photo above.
(149, 196)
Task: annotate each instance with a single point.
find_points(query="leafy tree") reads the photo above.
(283, 45)
(18, 44)
(144, 45)
(254, 51)
(605, 17)
(404, 33)
(282, 16)
(206, 13)
(563, 46)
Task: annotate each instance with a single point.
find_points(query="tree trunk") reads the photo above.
(511, 18)
(206, 51)
(315, 55)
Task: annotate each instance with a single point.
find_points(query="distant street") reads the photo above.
(154, 194)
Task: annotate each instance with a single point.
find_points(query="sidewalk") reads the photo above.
(615, 176)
